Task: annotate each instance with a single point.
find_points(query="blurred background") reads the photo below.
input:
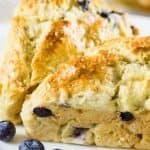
(139, 16)
(6, 9)
(138, 7)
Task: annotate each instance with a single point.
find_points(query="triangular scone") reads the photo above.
(46, 33)
(102, 100)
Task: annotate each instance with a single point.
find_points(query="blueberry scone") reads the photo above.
(46, 33)
(101, 99)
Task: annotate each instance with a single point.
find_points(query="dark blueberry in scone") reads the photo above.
(7, 131)
(31, 145)
(116, 12)
(135, 31)
(84, 4)
(126, 116)
(79, 131)
(42, 112)
(104, 14)
(140, 136)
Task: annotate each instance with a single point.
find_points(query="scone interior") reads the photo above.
(100, 99)
(45, 34)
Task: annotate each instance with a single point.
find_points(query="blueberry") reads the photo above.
(140, 136)
(7, 131)
(126, 116)
(116, 12)
(84, 4)
(79, 131)
(134, 30)
(31, 145)
(42, 112)
(107, 14)
(104, 14)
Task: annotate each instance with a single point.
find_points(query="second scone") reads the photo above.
(101, 99)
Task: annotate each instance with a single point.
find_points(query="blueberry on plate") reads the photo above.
(31, 144)
(7, 131)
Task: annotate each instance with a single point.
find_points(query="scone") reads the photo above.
(101, 99)
(46, 33)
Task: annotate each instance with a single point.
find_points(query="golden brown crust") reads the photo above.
(133, 43)
(33, 3)
(63, 41)
(85, 69)
(54, 49)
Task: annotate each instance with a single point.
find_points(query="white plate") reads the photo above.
(6, 8)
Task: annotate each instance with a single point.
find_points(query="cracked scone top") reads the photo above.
(46, 33)
(101, 99)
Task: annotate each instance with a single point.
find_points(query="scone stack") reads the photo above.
(75, 73)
